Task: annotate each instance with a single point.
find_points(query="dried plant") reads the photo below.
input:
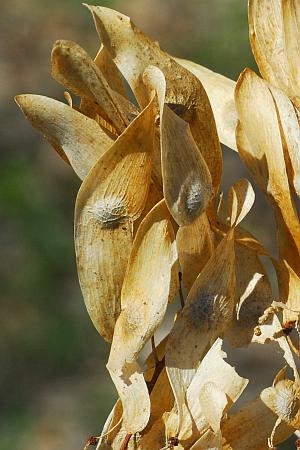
(151, 225)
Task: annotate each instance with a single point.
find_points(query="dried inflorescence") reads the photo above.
(151, 225)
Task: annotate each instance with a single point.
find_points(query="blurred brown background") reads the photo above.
(54, 388)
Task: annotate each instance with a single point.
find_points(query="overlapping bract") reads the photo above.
(149, 228)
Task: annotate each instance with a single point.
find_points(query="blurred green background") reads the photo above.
(54, 387)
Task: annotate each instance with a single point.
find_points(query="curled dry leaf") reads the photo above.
(207, 311)
(110, 199)
(220, 91)
(145, 295)
(261, 149)
(74, 68)
(74, 136)
(184, 92)
(195, 246)
(274, 37)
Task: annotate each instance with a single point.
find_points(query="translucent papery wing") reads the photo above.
(110, 71)
(268, 42)
(220, 91)
(207, 311)
(213, 401)
(253, 296)
(132, 52)
(260, 147)
(274, 36)
(271, 331)
(110, 199)
(155, 195)
(290, 131)
(187, 182)
(78, 139)
(195, 246)
(75, 69)
(291, 294)
(209, 441)
(241, 199)
(186, 178)
(145, 295)
(251, 427)
(213, 369)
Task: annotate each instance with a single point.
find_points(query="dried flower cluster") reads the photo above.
(151, 225)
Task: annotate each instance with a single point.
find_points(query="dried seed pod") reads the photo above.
(261, 149)
(271, 331)
(253, 296)
(195, 247)
(78, 139)
(145, 294)
(207, 311)
(212, 369)
(252, 425)
(110, 71)
(290, 133)
(73, 67)
(209, 441)
(220, 91)
(274, 36)
(184, 91)
(187, 182)
(109, 200)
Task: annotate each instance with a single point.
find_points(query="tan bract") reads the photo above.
(152, 227)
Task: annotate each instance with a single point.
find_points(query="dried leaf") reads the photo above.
(195, 246)
(75, 137)
(109, 200)
(73, 67)
(145, 295)
(220, 91)
(132, 52)
(207, 311)
(260, 147)
(274, 37)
